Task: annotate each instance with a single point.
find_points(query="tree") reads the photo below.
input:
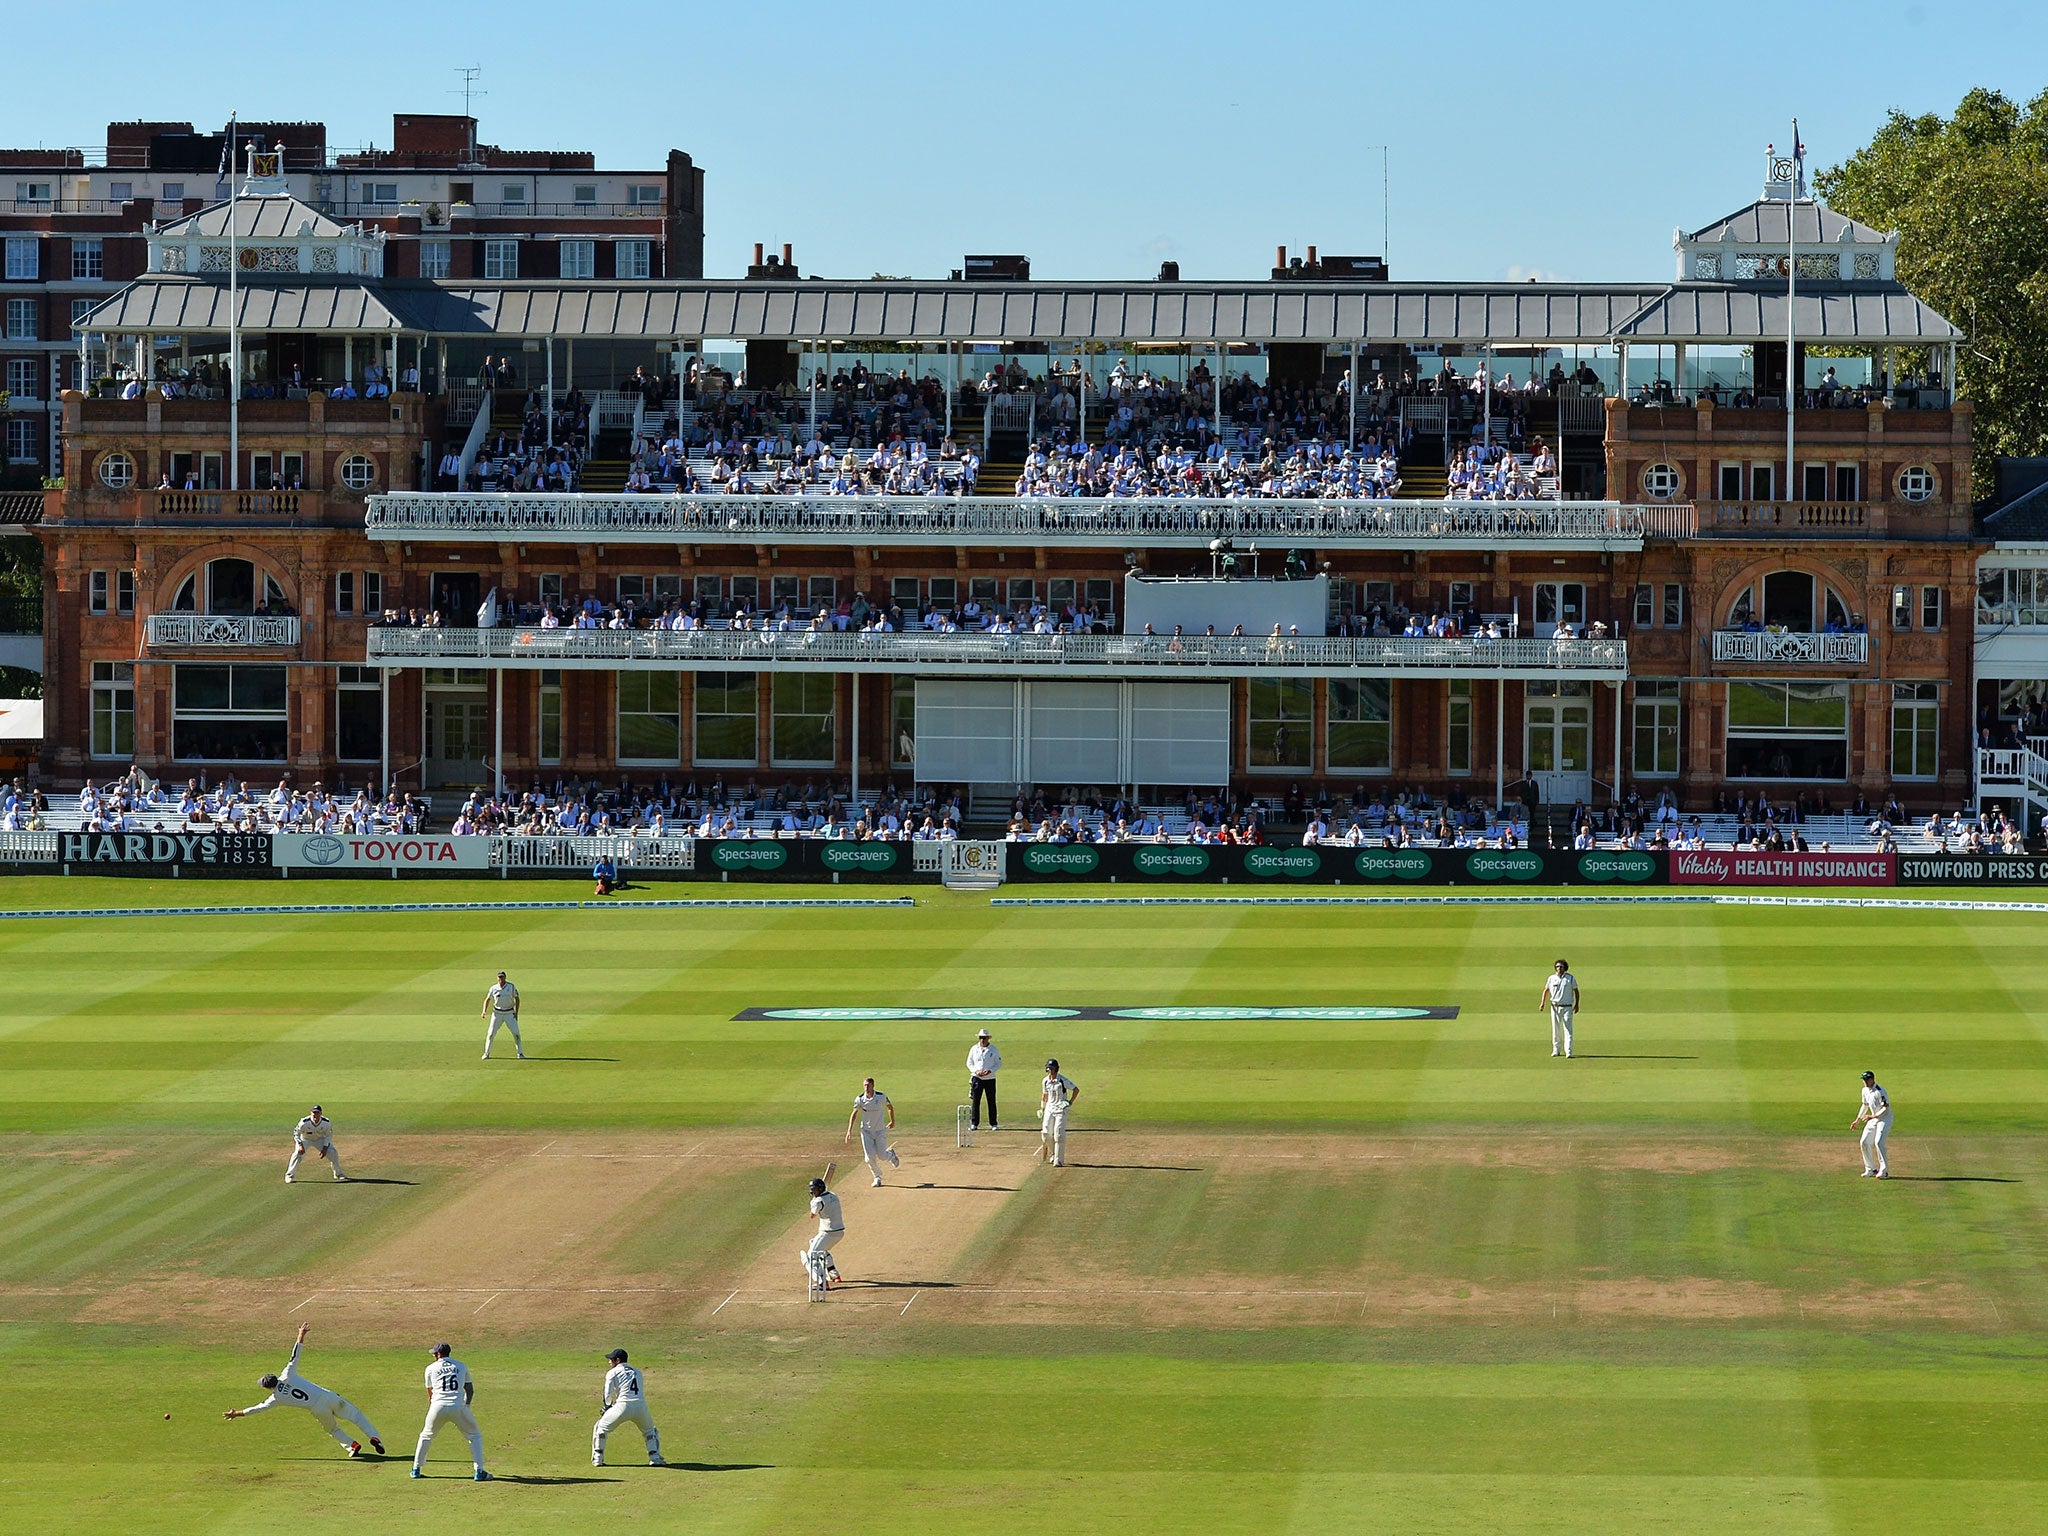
(1968, 196)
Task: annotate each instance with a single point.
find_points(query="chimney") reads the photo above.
(758, 249)
(1311, 255)
(787, 254)
(1279, 258)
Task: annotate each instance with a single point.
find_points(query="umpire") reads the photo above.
(984, 1061)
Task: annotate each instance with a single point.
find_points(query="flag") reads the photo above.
(1798, 162)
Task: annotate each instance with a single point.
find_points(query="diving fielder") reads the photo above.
(288, 1389)
(876, 1117)
(1056, 1095)
(1876, 1120)
(831, 1227)
(316, 1133)
(1561, 997)
(501, 1005)
(449, 1394)
(625, 1397)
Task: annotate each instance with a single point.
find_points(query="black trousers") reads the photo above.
(979, 1088)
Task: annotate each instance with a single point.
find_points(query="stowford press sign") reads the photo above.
(319, 850)
(1715, 866)
(224, 850)
(1970, 869)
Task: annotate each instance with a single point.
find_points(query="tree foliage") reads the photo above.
(1968, 196)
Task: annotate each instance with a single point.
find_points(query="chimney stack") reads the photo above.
(1311, 255)
(1279, 258)
(787, 255)
(759, 248)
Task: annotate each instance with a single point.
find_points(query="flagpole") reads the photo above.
(234, 329)
(1791, 298)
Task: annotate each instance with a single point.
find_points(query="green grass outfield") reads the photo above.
(1307, 1276)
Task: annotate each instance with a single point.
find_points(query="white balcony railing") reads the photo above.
(832, 651)
(207, 629)
(1796, 646)
(483, 516)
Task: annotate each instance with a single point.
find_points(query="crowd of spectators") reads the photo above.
(711, 809)
(135, 802)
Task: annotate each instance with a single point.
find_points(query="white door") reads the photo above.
(1560, 602)
(1559, 742)
(458, 740)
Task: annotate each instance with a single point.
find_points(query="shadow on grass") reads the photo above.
(613, 1059)
(550, 1482)
(357, 1179)
(1615, 1056)
(1141, 1167)
(1947, 1178)
(991, 1189)
(896, 1285)
(717, 1466)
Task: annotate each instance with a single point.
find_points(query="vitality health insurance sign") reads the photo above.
(1716, 866)
(320, 850)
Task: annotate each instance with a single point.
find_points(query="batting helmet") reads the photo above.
(1052, 1063)
(1870, 1077)
(817, 1186)
(443, 1351)
(617, 1357)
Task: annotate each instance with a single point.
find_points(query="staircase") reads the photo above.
(2015, 773)
(608, 463)
(1423, 474)
(1002, 464)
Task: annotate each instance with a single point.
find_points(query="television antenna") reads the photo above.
(470, 74)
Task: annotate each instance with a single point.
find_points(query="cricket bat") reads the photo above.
(830, 1169)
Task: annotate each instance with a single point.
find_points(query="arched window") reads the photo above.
(229, 586)
(1791, 600)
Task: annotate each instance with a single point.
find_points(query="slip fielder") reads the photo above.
(625, 1397)
(315, 1132)
(449, 1395)
(501, 1006)
(1561, 997)
(1876, 1120)
(876, 1117)
(288, 1389)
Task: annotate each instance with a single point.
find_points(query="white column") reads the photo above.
(1351, 427)
(813, 371)
(1500, 741)
(498, 737)
(853, 749)
(1614, 795)
(551, 391)
(384, 730)
(348, 359)
(952, 386)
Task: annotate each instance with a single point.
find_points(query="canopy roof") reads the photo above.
(1763, 223)
(256, 218)
(1522, 314)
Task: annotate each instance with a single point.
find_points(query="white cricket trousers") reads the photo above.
(298, 1154)
(504, 1021)
(348, 1411)
(874, 1150)
(1560, 1030)
(634, 1408)
(1052, 1138)
(821, 1246)
(457, 1414)
(1874, 1133)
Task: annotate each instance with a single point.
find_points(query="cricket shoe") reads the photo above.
(1883, 1173)
(895, 1160)
(355, 1449)
(376, 1445)
(416, 1472)
(597, 1461)
(289, 1179)
(656, 1461)
(1868, 1173)
(878, 1181)
(482, 1476)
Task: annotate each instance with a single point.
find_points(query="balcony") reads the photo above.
(482, 517)
(1795, 647)
(203, 631)
(928, 654)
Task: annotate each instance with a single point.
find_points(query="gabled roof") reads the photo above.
(2021, 520)
(1826, 314)
(1763, 223)
(163, 304)
(256, 218)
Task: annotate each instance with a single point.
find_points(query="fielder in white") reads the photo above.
(449, 1394)
(625, 1397)
(831, 1228)
(1876, 1120)
(288, 1389)
(314, 1133)
(1561, 997)
(1056, 1095)
(876, 1117)
(501, 1007)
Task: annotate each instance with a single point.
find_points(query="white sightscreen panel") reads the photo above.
(1194, 602)
(1074, 729)
(966, 731)
(1180, 733)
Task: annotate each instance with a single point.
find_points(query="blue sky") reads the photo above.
(1558, 141)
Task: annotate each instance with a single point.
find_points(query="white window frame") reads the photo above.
(1918, 485)
(357, 680)
(97, 585)
(124, 592)
(639, 679)
(501, 259)
(578, 258)
(345, 592)
(1920, 711)
(24, 258)
(381, 194)
(802, 683)
(110, 681)
(22, 323)
(21, 440)
(1656, 714)
(353, 478)
(373, 593)
(437, 258)
(549, 713)
(90, 253)
(24, 378)
(512, 194)
(633, 258)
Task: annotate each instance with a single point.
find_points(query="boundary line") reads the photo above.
(330, 908)
(1702, 899)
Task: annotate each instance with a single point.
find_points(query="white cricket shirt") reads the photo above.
(621, 1382)
(446, 1379)
(826, 1208)
(1876, 1104)
(874, 1110)
(1563, 991)
(503, 998)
